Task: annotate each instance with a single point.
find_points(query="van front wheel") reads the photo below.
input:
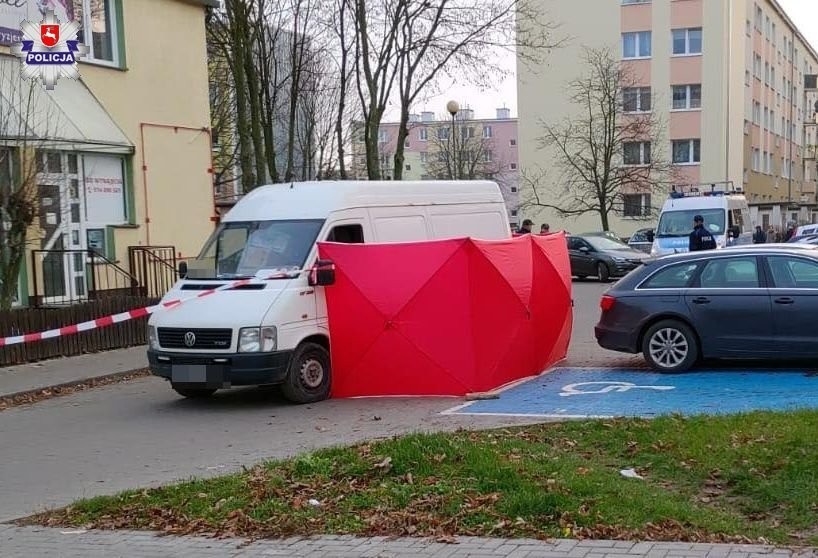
(309, 375)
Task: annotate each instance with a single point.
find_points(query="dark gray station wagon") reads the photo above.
(758, 302)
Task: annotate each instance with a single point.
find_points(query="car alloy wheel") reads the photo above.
(668, 347)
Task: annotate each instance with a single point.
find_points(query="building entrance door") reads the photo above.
(63, 260)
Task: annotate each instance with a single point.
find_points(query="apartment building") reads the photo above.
(482, 148)
(123, 153)
(733, 80)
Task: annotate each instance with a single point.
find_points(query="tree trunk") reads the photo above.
(342, 94)
(268, 57)
(403, 133)
(248, 179)
(603, 215)
(297, 61)
(254, 94)
(373, 162)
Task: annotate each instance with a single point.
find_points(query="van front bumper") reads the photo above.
(219, 369)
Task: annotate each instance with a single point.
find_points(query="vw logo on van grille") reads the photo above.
(190, 339)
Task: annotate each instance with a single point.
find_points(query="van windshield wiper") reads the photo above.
(672, 235)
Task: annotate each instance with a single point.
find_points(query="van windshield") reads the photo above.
(242, 249)
(680, 223)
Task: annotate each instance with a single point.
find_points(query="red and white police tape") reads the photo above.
(133, 314)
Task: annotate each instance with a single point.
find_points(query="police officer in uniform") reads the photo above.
(700, 238)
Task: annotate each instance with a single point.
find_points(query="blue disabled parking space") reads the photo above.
(599, 392)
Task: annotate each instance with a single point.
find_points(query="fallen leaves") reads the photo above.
(36, 396)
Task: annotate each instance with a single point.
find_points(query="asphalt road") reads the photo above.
(142, 434)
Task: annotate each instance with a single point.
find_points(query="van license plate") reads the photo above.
(196, 374)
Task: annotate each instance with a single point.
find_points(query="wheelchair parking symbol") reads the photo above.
(606, 387)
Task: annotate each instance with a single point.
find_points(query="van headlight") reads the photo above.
(257, 339)
(153, 340)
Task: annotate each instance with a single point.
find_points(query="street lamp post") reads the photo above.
(453, 107)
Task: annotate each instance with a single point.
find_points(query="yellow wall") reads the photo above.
(165, 82)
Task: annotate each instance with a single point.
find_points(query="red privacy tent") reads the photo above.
(446, 317)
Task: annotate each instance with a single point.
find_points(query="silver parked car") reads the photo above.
(642, 240)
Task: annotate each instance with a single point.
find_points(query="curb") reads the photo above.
(12, 399)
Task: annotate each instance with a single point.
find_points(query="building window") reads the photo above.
(512, 142)
(757, 67)
(772, 121)
(774, 35)
(382, 136)
(636, 99)
(747, 78)
(772, 77)
(406, 142)
(513, 166)
(756, 160)
(443, 133)
(687, 41)
(99, 17)
(687, 97)
(636, 153)
(759, 18)
(513, 189)
(748, 28)
(486, 131)
(636, 45)
(424, 157)
(687, 152)
(625, 2)
(423, 134)
(756, 113)
(767, 27)
(766, 73)
(636, 205)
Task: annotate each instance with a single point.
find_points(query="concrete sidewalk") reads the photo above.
(65, 371)
(72, 543)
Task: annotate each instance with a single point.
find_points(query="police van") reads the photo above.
(725, 211)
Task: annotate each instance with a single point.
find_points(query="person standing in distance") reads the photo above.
(700, 238)
(525, 228)
(545, 229)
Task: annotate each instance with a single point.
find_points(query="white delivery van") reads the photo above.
(726, 215)
(276, 331)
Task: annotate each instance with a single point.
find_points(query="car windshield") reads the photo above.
(680, 223)
(602, 243)
(242, 249)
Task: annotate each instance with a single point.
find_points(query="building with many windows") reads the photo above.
(733, 80)
(482, 148)
(123, 155)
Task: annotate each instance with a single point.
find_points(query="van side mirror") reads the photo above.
(322, 274)
(182, 270)
(584, 249)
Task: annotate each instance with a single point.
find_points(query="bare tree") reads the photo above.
(376, 45)
(25, 124)
(455, 38)
(459, 151)
(604, 151)
(222, 119)
(345, 33)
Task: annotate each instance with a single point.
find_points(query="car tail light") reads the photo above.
(607, 303)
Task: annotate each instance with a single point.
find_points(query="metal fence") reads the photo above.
(66, 277)
(155, 268)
